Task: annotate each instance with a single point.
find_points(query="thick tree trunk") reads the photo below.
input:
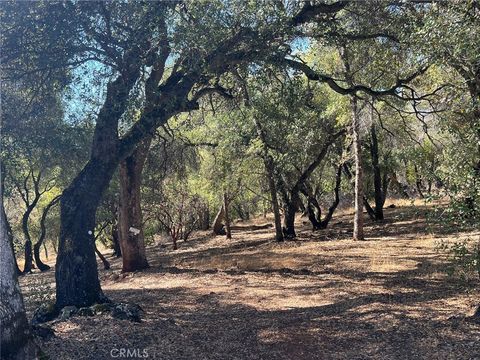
(357, 152)
(43, 232)
(76, 269)
(228, 231)
(130, 220)
(16, 342)
(289, 221)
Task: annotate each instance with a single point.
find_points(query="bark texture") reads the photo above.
(130, 219)
(16, 342)
(357, 153)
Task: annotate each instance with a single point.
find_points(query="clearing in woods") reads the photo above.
(323, 296)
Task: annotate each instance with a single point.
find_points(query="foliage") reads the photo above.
(464, 258)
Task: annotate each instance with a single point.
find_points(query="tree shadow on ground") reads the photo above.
(181, 324)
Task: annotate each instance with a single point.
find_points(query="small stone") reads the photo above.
(114, 277)
(100, 308)
(44, 313)
(85, 311)
(67, 312)
(127, 311)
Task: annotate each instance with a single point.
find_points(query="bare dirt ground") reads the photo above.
(323, 296)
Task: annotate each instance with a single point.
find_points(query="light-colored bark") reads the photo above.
(357, 153)
(217, 225)
(16, 342)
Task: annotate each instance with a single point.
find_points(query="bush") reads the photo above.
(464, 258)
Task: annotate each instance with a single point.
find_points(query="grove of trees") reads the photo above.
(121, 120)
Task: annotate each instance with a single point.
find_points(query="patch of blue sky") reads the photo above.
(86, 94)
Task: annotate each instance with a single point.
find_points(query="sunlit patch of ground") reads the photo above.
(321, 297)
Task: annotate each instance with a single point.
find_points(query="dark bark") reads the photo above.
(43, 232)
(313, 207)
(30, 206)
(76, 269)
(130, 220)
(336, 199)
(377, 175)
(291, 198)
(418, 182)
(116, 243)
(290, 209)
(106, 264)
(370, 210)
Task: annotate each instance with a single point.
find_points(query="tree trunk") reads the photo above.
(270, 169)
(218, 228)
(76, 270)
(106, 264)
(331, 210)
(16, 342)
(28, 254)
(43, 232)
(228, 231)
(10, 239)
(377, 175)
(116, 243)
(130, 221)
(357, 152)
(276, 208)
(289, 220)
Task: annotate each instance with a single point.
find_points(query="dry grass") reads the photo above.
(323, 296)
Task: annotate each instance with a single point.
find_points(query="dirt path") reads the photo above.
(321, 297)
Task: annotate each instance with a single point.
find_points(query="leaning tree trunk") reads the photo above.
(217, 225)
(16, 342)
(228, 230)
(43, 232)
(357, 152)
(76, 270)
(130, 220)
(106, 264)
